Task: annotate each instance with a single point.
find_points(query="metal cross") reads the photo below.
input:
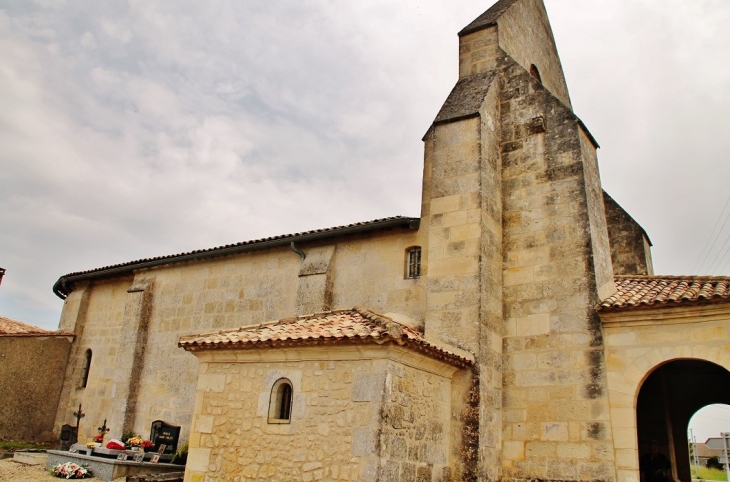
(103, 429)
(79, 415)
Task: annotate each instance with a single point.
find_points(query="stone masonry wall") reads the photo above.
(639, 342)
(455, 232)
(31, 376)
(491, 322)
(630, 249)
(97, 323)
(415, 433)
(206, 296)
(525, 35)
(232, 439)
(556, 417)
(352, 419)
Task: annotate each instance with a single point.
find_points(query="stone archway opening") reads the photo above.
(668, 399)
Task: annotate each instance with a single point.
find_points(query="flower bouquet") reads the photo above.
(70, 470)
(139, 443)
(115, 444)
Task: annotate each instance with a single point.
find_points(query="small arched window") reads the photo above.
(535, 73)
(413, 262)
(280, 404)
(87, 367)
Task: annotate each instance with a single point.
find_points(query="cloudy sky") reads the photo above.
(131, 129)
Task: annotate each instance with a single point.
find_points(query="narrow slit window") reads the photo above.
(280, 404)
(413, 262)
(87, 367)
(535, 73)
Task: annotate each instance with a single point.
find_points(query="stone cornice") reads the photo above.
(667, 316)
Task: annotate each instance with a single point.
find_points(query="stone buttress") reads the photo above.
(518, 253)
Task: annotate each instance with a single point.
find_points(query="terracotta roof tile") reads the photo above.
(645, 292)
(344, 327)
(10, 327)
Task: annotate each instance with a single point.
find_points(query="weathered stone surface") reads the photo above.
(398, 430)
(630, 245)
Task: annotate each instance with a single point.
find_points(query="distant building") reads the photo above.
(713, 447)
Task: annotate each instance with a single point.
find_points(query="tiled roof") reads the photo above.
(10, 327)
(703, 450)
(647, 292)
(121, 269)
(344, 327)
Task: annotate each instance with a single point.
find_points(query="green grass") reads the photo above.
(708, 474)
(5, 445)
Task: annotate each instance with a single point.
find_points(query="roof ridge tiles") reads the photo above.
(355, 325)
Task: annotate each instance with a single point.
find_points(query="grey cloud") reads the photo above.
(141, 128)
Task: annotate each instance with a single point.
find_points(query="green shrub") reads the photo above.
(714, 463)
(181, 456)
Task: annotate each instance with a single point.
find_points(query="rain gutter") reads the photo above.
(64, 286)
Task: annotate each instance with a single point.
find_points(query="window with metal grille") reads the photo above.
(280, 404)
(413, 262)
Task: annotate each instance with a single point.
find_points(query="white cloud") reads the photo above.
(134, 129)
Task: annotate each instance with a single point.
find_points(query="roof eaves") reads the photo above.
(62, 287)
(394, 333)
(42, 335)
(651, 300)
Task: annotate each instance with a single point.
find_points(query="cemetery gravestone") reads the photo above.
(69, 436)
(163, 433)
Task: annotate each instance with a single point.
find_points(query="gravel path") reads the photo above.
(15, 472)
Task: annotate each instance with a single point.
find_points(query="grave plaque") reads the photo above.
(166, 434)
(69, 436)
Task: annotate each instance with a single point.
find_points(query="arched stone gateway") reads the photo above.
(668, 398)
(664, 361)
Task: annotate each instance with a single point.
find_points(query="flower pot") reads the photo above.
(97, 444)
(136, 449)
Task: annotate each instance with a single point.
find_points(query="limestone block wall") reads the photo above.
(555, 412)
(415, 433)
(97, 322)
(491, 321)
(478, 52)
(522, 32)
(255, 287)
(639, 342)
(630, 247)
(462, 214)
(358, 414)
(31, 376)
(455, 231)
(525, 35)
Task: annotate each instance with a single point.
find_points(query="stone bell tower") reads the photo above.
(518, 252)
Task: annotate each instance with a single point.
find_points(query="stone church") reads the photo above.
(514, 331)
